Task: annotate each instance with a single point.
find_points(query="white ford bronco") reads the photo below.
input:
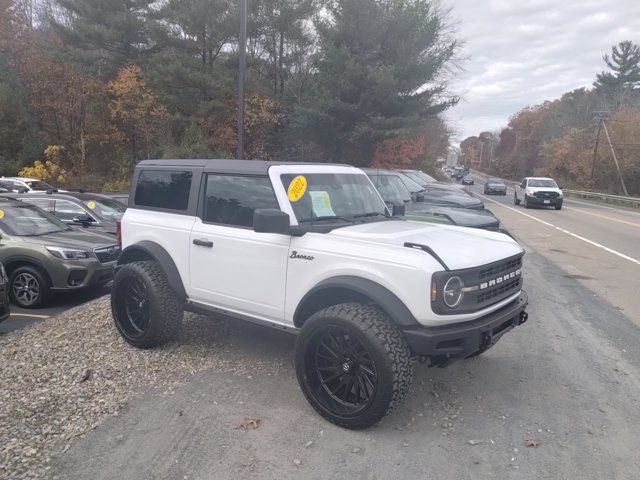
(313, 249)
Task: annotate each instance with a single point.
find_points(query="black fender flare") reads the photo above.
(385, 299)
(148, 250)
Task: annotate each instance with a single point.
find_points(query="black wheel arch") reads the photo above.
(345, 288)
(148, 250)
(12, 263)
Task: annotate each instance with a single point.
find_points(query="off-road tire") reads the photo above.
(165, 306)
(387, 347)
(515, 200)
(43, 286)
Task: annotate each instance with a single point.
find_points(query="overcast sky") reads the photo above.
(522, 52)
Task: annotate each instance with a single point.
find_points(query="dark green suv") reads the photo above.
(42, 255)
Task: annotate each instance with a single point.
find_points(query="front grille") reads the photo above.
(496, 270)
(498, 291)
(546, 194)
(487, 285)
(107, 254)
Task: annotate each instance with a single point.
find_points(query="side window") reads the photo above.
(231, 199)
(44, 203)
(67, 211)
(524, 183)
(163, 189)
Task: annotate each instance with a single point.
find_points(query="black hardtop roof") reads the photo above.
(257, 167)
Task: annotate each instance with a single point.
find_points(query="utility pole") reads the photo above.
(480, 162)
(599, 118)
(615, 159)
(242, 57)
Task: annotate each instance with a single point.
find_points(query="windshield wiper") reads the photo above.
(326, 217)
(370, 214)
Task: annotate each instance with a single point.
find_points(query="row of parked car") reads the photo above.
(54, 240)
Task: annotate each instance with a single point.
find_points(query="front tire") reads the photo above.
(29, 287)
(353, 365)
(558, 206)
(516, 201)
(526, 202)
(146, 310)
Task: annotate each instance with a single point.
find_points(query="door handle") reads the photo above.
(203, 243)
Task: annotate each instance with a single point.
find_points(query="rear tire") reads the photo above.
(146, 311)
(516, 201)
(353, 365)
(29, 287)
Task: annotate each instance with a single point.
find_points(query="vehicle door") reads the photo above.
(231, 266)
(520, 189)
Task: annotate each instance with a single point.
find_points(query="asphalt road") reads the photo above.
(21, 317)
(597, 245)
(568, 380)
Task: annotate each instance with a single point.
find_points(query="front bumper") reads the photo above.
(544, 202)
(442, 345)
(78, 275)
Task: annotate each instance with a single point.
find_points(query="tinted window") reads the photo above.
(231, 199)
(43, 203)
(163, 189)
(67, 211)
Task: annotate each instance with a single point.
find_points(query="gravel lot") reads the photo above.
(61, 378)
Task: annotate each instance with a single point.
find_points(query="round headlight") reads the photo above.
(452, 292)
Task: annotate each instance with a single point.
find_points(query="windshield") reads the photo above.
(106, 208)
(427, 178)
(412, 186)
(391, 188)
(22, 219)
(39, 185)
(330, 196)
(493, 181)
(416, 179)
(542, 182)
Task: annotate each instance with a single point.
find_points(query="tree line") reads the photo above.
(90, 87)
(566, 138)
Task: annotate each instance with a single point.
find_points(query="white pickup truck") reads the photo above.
(313, 249)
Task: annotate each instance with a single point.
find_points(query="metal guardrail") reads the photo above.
(633, 202)
(603, 197)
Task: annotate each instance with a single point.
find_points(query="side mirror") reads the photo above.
(398, 210)
(84, 220)
(419, 197)
(270, 220)
(23, 190)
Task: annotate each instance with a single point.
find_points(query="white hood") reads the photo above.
(458, 247)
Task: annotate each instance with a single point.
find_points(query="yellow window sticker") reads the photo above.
(297, 187)
(91, 204)
(1, 213)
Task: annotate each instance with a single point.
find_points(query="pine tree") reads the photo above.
(380, 71)
(624, 64)
(106, 34)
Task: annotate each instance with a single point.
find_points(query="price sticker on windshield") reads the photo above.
(297, 187)
(1, 213)
(91, 204)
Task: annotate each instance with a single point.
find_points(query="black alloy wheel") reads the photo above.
(136, 301)
(353, 364)
(341, 371)
(146, 310)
